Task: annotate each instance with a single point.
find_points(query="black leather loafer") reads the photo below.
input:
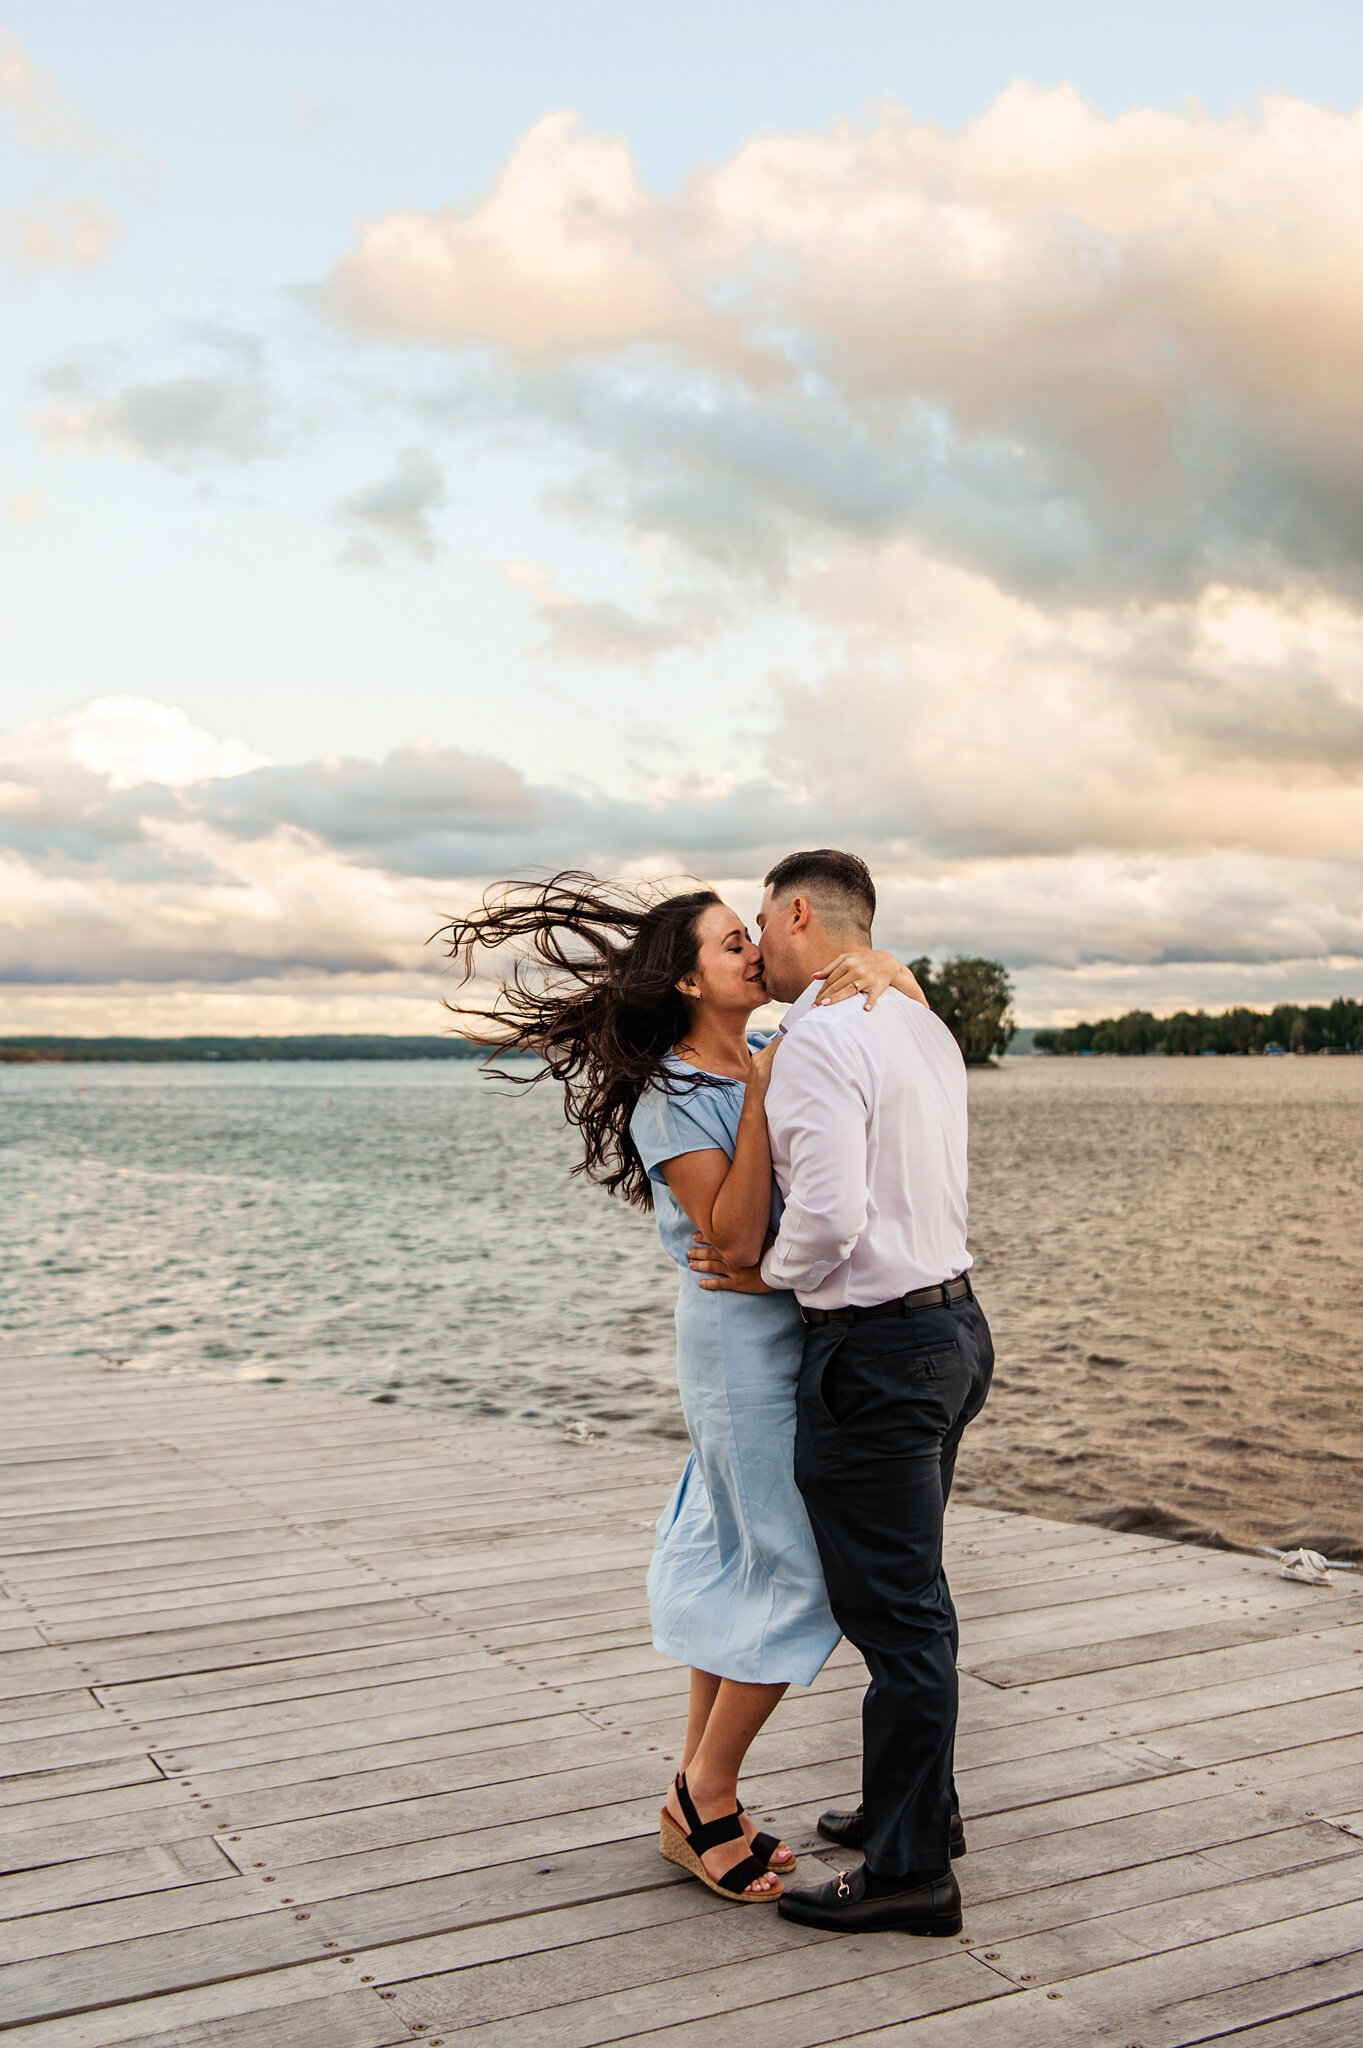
(842, 1907)
(848, 1830)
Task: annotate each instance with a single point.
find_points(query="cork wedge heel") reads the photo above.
(686, 1846)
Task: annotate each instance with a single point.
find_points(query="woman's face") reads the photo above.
(728, 971)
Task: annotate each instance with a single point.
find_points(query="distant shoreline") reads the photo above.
(369, 1045)
(375, 1045)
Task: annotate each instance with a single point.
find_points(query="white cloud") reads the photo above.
(270, 1005)
(1094, 356)
(397, 510)
(222, 872)
(601, 630)
(172, 420)
(566, 254)
(52, 226)
(1043, 434)
(127, 741)
(968, 720)
(207, 908)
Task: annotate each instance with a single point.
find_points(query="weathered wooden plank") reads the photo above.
(162, 1702)
(630, 1790)
(62, 1780)
(275, 1992)
(798, 1998)
(347, 2019)
(392, 1705)
(285, 1757)
(178, 1569)
(441, 1923)
(126, 1661)
(122, 1874)
(243, 1801)
(227, 1897)
(85, 1981)
(95, 1738)
(1096, 1690)
(1167, 1923)
(103, 1553)
(354, 1598)
(152, 1607)
(602, 1966)
(41, 1719)
(1034, 1666)
(300, 1653)
(1336, 2025)
(155, 1797)
(1262, 1731)
(1313, 1683)
(1259, 1974)
(1021, 2019)
(34, 1674)
(19, 1636)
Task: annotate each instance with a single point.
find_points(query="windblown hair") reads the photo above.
(838, 884)
(593, 995)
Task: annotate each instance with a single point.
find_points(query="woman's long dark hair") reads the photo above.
(593, 994)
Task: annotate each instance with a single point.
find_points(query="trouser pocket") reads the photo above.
(818, 1447)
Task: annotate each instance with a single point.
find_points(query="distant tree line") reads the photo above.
(974, 999)
(318, 1046)
(1292, 1027)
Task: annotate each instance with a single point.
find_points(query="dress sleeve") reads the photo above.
(665, 1124)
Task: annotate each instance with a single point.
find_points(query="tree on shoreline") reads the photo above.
(974, 1000)
(1291, 1027)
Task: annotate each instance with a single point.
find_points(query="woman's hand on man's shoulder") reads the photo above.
(866, 972)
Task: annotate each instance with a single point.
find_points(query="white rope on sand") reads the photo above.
(1307, 1567)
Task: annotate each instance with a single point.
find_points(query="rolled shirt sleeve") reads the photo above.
(824, 1108)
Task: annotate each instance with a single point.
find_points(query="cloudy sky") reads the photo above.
(443, 442)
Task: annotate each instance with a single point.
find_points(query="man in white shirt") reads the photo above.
(867, 1114)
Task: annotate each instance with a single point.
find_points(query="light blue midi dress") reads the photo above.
(735, 1586)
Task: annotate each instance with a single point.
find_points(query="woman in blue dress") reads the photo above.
(641, 1011)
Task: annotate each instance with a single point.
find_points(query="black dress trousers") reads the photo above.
(880, 1412)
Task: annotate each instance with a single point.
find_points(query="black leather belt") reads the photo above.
(903, 1305)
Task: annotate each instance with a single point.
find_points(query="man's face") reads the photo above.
(785, 976)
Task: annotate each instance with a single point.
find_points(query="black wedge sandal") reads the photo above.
(686, 1846)
(764, 1848)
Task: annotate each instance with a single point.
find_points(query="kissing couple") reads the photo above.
(830, 1349)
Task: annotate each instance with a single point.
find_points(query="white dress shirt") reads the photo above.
(867, 1113)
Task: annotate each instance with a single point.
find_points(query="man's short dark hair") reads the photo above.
(838, 884)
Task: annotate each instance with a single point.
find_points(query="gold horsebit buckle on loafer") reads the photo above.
(844, 1888)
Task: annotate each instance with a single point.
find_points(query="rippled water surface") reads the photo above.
(1169, 1252)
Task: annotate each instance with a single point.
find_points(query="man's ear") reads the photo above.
(801, 913)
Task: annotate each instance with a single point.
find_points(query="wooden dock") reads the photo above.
(337, 1725)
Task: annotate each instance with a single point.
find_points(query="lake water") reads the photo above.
(1169, 1252)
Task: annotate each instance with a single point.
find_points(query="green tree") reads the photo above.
(974, 1000)
(1312, 1028)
